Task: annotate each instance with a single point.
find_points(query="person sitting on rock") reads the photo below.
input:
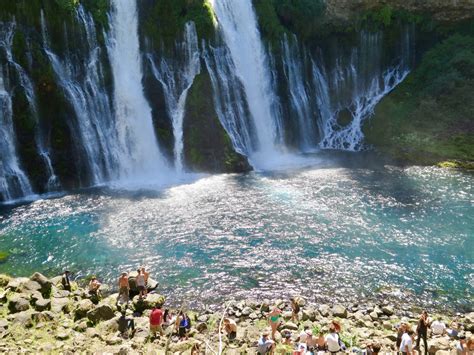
(65, 281)
(124, 288)
(438, 327)
(461, 346)
(141, 284)
(265, 345)
(295, 310)
(125, 324)
(321, 342)
(230, 327)
(156, 320)
(374, 349)
(274, 320)
(287, 339)
(311, 342)
(332, 340)
(453, 330)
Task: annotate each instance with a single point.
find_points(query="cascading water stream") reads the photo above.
(140, 158)
(13, 182)
(238, 24)
(301, 104)
(357, 86)
(82, 83)
(53, 183)
(176, 77)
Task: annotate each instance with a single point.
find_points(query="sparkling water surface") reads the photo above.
(331, 233)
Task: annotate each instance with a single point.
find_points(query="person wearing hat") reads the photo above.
(65, 281)
(124, 288)
(265, 344)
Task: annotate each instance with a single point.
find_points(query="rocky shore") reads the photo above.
(38, 316)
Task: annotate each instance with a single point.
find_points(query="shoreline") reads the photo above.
(39, 316)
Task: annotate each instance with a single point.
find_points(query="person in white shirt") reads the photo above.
(406, 346)
(332, 340)
(438, 327)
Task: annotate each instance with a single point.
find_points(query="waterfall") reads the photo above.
(356, 85)
(238, 24)
(83, 84)
(301, 103)
(13, 182)
(176, 76)
(140, 157)
(52, 183)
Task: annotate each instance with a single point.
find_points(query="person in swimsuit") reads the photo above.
(124, 288)
(230, 328)
(141, 285)
(274, 320)
(321, 342)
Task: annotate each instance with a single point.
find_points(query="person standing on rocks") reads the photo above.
(401, 330)
(125, 324)
(438, 327)
(461, 346)
(146, 274)
(422, 331)
(65, 281)
(141, 284)
(274, 320)
(94, 286)
(124, 288)
(156, 319)
(184, 324)
(295, 310)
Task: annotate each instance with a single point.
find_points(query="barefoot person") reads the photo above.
(145, 275)
(94, 286)
(65, 281)
(124, 288)
(295, 310)
(274, 320)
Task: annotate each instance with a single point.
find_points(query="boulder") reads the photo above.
(18, 303)
(60, 305)
(182, 346)
(201, 327)
(289, 326)
(149, 302)
(3, 324)
(24, 319)
(113, 340)
(101, 313)
(246, 311)
(3, 297)
(388, 310)
(437, 344)
(4, 280)
(60, 293)
(373, 315)
(45, 316)
(324, 310)
(63, 334)
(253, 316)
(42, 305)
(82, 308)
(43, 281)
(16, 283)
(339, 311)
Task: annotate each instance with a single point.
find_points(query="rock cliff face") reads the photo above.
(441, 10)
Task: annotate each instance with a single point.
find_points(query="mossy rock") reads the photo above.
(4, 256)
(4, 280)
(456, 164)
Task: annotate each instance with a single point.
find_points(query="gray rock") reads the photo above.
(59, 305)
(24, 319)
(309, 313)
(387, 325)
(113, 340)
(246, 311)
(43, 281)
(42, 305)
(253, 316)
(16, 283)
(203, 318)
(100, 313)
(61, 293)
(437, 344)
(63, 334)
(324, 310)
(374, 315)
(30, 286)
(339, 311)
(290, 326)
(3, 297)
(201, 327)
(3, 324)
(81, 326)
(18, 303)
(388, 310)
(45, 316)
(149, 302)
(83, 307)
